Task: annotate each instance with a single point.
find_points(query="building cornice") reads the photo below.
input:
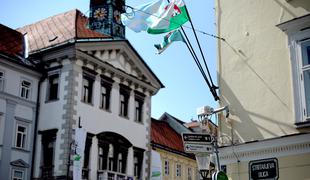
(277, 147)
(117, 71)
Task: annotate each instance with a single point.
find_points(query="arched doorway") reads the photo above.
(112, 154)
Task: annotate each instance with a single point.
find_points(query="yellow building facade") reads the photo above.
(171, 162)
(263, 76)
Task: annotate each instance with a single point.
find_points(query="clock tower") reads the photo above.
(105, 17)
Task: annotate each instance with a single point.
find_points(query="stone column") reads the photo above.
(93, 165)
(130, 168)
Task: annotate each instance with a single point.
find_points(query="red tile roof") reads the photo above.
(11, 41)
(163, 134)
(59, 29)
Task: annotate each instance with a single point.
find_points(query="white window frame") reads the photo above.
(2, 80)
(298, 79)
(17, 178)
(24, 138)
(29, 89)
(298, 31)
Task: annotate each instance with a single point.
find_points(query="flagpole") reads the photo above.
(213, 88)
(191, 50)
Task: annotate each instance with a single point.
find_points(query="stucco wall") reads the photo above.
(291, 167)
(175, 159)
(254, 70)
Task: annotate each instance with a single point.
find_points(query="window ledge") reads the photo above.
(125, 117)
(51, 101)
(303, 124)
(20, 149)
(91, 104)
(138, 122)
(106, 110)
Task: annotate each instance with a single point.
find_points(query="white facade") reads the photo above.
(17, 117)
(120, 64)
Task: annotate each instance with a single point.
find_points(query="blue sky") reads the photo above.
(185, 89)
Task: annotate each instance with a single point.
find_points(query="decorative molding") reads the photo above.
(278, 147)
(17, 99)
(23, 119)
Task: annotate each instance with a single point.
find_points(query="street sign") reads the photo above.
(197, 138)
(198, 148)
(264, 169)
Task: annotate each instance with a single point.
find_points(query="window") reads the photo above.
(17, 175)
(138, 161)
(53, 87)
(298, 33)
(1, 80)
(124, 99)
(166, 167)
(48, 148)
(101, 158)
(178, 170)
(25, 89)
(88, 142)
(120, 162)
(105, 96)
(139, 101)
(21, 133)
(87, 91)
(110, 157)
(189, 173)
(305, 76)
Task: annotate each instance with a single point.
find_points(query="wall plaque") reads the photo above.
(264, 169)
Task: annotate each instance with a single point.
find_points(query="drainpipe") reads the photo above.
(42, 78)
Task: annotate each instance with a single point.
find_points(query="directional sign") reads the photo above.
(198, 148)
(197, 138)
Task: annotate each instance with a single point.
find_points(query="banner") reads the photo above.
(80, 138)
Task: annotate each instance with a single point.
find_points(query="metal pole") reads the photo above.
(217, 154)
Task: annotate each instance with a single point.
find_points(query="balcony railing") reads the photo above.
(111, 175)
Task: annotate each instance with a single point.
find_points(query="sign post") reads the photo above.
(197, 143)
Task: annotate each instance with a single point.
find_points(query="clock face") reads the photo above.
(117, 16)
(100, 13)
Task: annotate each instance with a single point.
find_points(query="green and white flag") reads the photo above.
(156, 17)
(168, 39)
(173, 16)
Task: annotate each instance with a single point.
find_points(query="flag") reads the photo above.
(156, 17)
(142, 17)
(174, 15)
(168, 39)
